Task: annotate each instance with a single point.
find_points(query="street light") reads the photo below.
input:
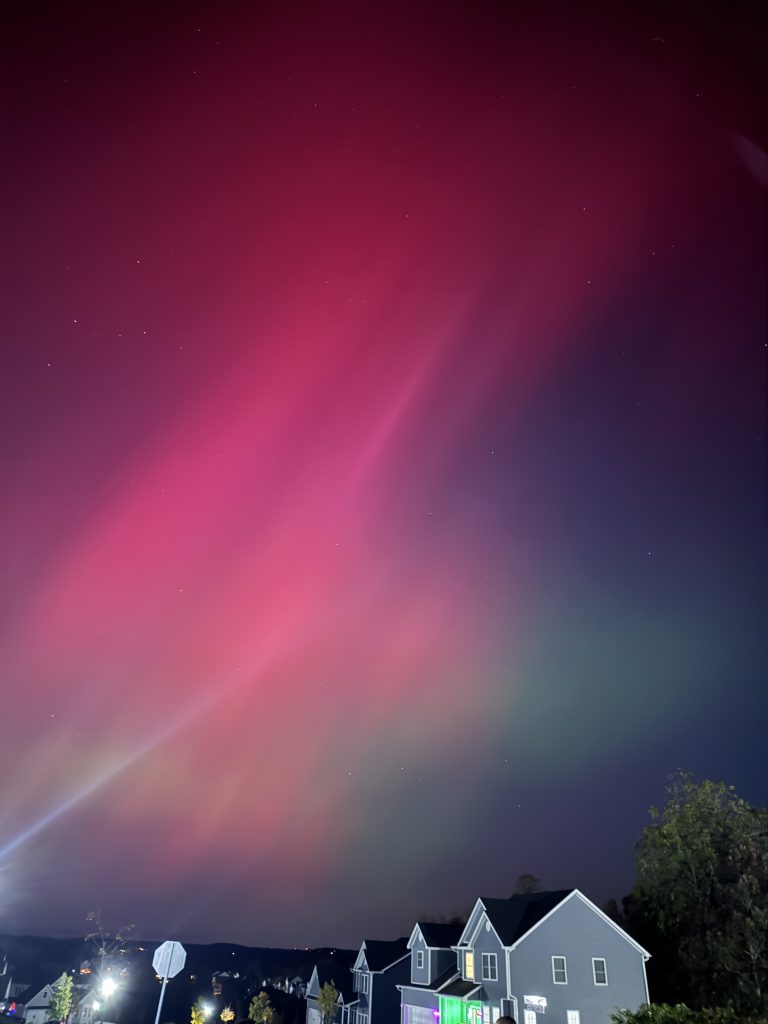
(108, 987)
(206, 1009)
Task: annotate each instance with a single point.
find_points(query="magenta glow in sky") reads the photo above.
(382, 440)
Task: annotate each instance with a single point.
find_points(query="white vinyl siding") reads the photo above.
(559, 970)
(599, 970)
(489, 967)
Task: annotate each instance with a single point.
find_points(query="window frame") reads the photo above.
(604, 962)
(419, 959)
(469, 957)
(573, 1017)
(493, 964)
(558, 956)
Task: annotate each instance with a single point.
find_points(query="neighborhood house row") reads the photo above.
(537, 958)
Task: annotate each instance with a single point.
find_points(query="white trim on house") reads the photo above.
(361, 959)
(413, 936)
(492, 961)
(484, 915)
(478, 908)
(591, 906)
(468, 953)
(559, 956)
(604, 962)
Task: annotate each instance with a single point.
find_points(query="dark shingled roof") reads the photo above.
(336, 970)
(379, 955)
(514, 917)
(441, 979)
(440, 936)
(460, 989)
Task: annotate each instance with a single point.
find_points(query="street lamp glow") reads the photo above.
(206, 1009)
(108, 987)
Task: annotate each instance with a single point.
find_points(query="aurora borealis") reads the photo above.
(383, 457)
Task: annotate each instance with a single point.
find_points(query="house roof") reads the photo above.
(513, 917)
(27, 996)
(459, 989)
(336, 972)
(440, 980)
(379, 955)
(440, 936)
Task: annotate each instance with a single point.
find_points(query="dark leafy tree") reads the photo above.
(527, 884)
(702, 882)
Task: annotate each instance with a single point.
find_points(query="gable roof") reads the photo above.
(440, 936)
(30, 996)
(379, 955)
(575, 894)
(514, 917)
(336, 971)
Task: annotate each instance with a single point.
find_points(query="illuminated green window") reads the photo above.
(456, 1011)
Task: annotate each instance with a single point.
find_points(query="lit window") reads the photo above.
(469, 965)
(573, 1016)
(599, 970)
(419, 958)
(489, 967)
(559, 973)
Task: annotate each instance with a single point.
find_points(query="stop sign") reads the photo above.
(169, 959)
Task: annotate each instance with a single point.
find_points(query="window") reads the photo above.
(420, 958)
(490, 967)
(529, 1017)
(573, 1016)
(362, 985)
(599, 970)
(469, 965)
(559, 973)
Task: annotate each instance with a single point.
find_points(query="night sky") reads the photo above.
(383, 447)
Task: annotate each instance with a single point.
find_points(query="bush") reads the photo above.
(662, 1013)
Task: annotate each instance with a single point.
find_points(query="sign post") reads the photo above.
(168, 960)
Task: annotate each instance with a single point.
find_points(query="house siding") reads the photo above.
(442, 959)
(576, 932)
(420, 976)
(487, 941)
(385, 997)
